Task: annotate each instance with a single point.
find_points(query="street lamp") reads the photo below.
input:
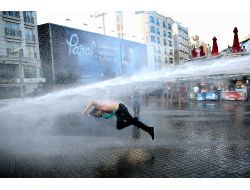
(103, 20)
(100, 28)
(67, 20)
(85, 25)
(21, 73)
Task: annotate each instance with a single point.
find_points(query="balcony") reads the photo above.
(28, 20)
(30, 39)
(14, 15)
(10, 52)
(13, 34)
(31, 56)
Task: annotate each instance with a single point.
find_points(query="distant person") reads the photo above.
(182, 93)
(136, 102)
(244, 91)
(108, 109)
(248, 92)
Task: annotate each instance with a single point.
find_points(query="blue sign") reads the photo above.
(201, 96)
(212, 96)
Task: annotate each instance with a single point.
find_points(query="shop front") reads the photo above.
(237, 90)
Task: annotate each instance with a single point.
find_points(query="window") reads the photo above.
(13, 45)
(158, 31)
(169, 35)
(152, 29)
(164, 24)
(170, 43)
(29, 72)
(29, 36)
(157, 22)
(15, 14)
(27, 13)
(153, 38)
(166, 60)
(164, 33)
(170, 60)
(170, 52)
(165, 42)
(165, 51)
(158, 40)
(12, 29)
(31, 52)
(152, 19)
(169, 26)
(8, 71)
(27, 16)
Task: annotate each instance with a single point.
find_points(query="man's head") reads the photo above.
(96, 113)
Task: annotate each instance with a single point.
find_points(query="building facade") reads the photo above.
(156, 31)
(181, 43)
(147, 27)
(19, 54)
(195, 42)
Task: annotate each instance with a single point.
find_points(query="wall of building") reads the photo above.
(19, 51)
(157, 36)
(181, 43)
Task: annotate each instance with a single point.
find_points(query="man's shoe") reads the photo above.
(136, 118)
(151, 132)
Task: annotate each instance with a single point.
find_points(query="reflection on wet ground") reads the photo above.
(192, 139)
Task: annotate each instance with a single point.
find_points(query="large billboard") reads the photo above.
(76, 55)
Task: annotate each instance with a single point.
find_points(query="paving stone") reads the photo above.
(197, 142)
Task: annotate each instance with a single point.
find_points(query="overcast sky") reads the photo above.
(206, 24)
(204, 18)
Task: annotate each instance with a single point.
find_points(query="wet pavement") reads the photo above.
(192, 140)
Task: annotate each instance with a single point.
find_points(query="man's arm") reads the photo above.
(87, 108)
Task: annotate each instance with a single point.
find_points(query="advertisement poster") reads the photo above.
(78, 56)
(233, 95)
(212, 96)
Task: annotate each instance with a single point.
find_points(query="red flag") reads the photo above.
(201, 51)
(194, 53)
(215, 50)
(236, 44)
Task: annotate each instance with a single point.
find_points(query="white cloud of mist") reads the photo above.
(29, 124)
